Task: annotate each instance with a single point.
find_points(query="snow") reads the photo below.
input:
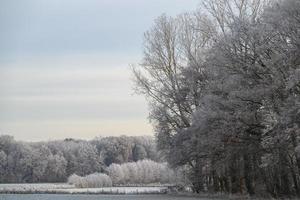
(118, 190)
(70, 189)
(33, 187)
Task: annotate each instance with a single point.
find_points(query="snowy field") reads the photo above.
(93, 197)
(70, 189)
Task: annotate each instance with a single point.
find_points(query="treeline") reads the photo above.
(55, 161)
(223, 84)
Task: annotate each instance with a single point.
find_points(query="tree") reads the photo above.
(56, 169)
(232, 113)
(3, 166)
(138, 153)
(172, 75)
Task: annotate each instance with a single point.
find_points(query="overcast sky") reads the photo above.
(64, 66)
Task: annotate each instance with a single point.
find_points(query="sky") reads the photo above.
(64, 66)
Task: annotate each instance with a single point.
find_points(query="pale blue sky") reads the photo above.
(64, 66)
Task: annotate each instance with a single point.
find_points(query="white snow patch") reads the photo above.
(70, 189)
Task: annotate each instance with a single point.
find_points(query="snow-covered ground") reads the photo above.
(27, 186)
(33, 187)
(117, 190)
(70, 189)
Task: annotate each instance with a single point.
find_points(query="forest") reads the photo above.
(55, 161)
(223, 87)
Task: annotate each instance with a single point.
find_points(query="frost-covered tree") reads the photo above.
(125, 149)
(3, 166)
(56, 169)
(87, 159)
(235, 125)
(138, 153)
(172, 76)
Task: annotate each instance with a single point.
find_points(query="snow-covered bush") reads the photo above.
(98, 180)
(95, 180)
(76, 180)
(116, 174)
(141, 173)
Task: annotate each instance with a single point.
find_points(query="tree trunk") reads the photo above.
(216, 184)
(294, 175)
(197, 177)
(285, 183)
(295, 144)
(234, 179)
(248, 174)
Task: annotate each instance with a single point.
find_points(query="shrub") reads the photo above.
(142, 172)
(95, 180)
